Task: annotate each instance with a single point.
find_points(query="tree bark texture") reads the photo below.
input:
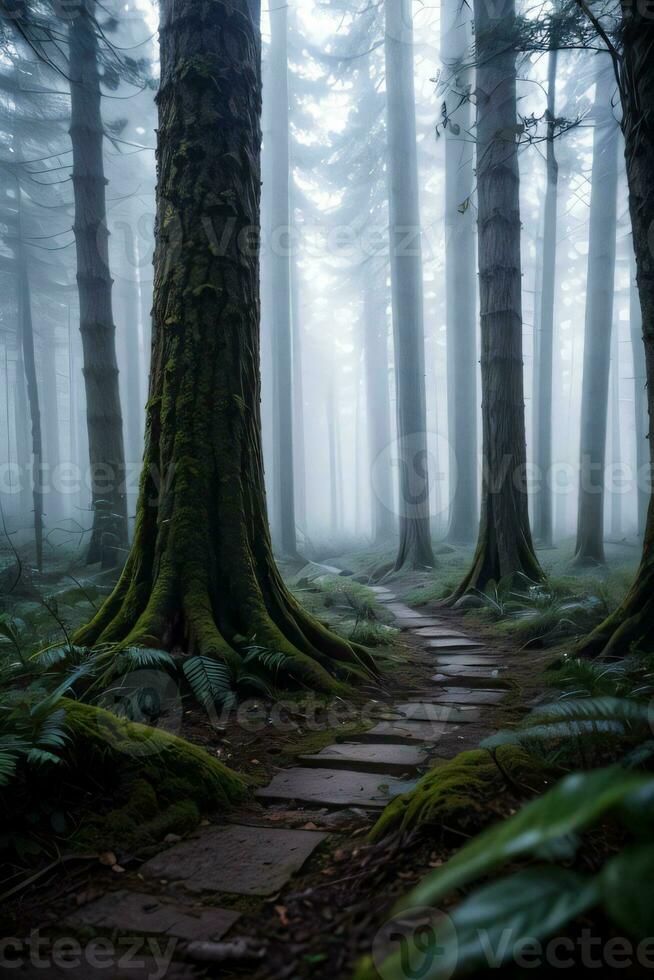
(415, 548)
(201, 574)
(104, 420)
(504, 547)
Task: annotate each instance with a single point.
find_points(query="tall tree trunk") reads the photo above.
(27, 344)
(47, 380)
(201, 573)
(599, 321)
(505, 545)
(415, 548)
(632, 624)
(104, 420)
(378, 411)
(461, 270)
(640, 405)
(299, 454)
(280, 274)
(542, 500)
(23, 448)
(616, 442)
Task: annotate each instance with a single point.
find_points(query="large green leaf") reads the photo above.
(492, 926)
(627, 889)
(576, 802)
(587, 709)
(210, 681)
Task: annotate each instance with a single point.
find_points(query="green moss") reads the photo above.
(462, 785)
(165, 783)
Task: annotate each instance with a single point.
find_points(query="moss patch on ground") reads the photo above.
(460, 788)
(166, 783)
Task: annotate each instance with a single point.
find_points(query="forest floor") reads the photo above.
(289, 884)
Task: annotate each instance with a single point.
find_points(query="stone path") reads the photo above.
(247, 861)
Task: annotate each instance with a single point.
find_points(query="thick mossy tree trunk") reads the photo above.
(104, 421)
(505, 545)
(201, 576)
(415, 550)
(632, 624)
(599, 321)
(542, 500)
(280, 281)
(461, 270)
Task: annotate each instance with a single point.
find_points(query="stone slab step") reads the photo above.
(448, 659)
(377, 758)
(414, 622)
(438, 638)
(432, 711)
(404, 732)
(469, 677)
(237, 859)
(464, 695)
(334, 787)
(453, 643)
(146, 915)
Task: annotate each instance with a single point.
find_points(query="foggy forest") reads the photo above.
(326, 536)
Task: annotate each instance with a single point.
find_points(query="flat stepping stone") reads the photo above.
(453, 643)
(439, 637)
(236, 859)
(464, 696)
(399, 609)
(386, 597)
(407, 732)
(334, 787)
(369, 758)
(431, 711)
(465, 660)
(138, 913)
(414, 622)
(471, 677)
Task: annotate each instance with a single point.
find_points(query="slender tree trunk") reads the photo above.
(415, 548)
(47, 380)
(616, 442)
(23, 448)
(505, 545)
(632, 624)
(599, 321)
(29, 360)
(461, 271)
(542, 501)
(299, 457)
(640, 405)
(201, 574)
(104, 420)
(280, 273)
(378, 411)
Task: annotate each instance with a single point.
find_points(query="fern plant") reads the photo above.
(540, 900)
